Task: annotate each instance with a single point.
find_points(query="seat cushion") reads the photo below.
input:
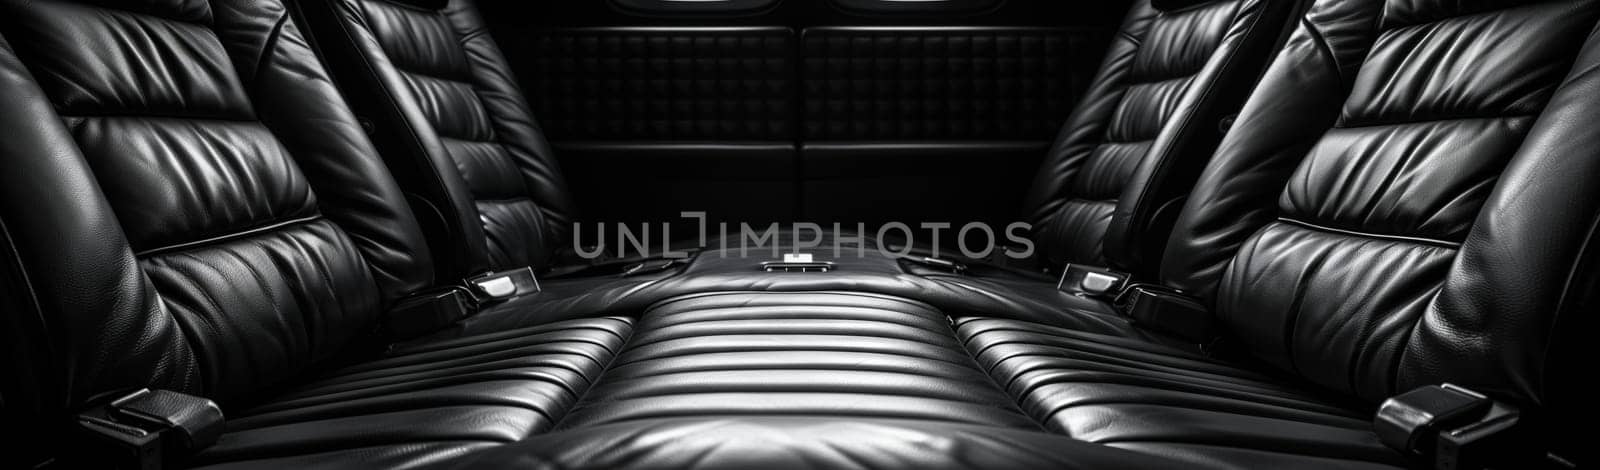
(768, 354)
(425, 402)
(1155, 399)
(806, 442)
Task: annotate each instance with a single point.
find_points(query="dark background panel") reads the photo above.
(942, 83)
(803, 111)
(662, 84)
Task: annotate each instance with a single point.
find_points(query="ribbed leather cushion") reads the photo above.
(759, 355)
(805, 443)
(1148, 398)
(942, 84)
(425, 402)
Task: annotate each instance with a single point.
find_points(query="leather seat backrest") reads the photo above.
(1147, 126)
(457, 128)
(195, 208)
(1409, 198)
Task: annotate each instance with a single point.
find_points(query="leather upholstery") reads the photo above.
(1151, 399)
(470, 149)
(1146, 127)
(804, 379)
(243, 229)
(1391, 218)
(795, 354)
(424, 403)
(803, 442)
(1408, 199)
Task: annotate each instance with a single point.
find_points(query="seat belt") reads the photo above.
(149, 429)
(1452, 428)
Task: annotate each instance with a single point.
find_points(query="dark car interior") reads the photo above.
(875, 234)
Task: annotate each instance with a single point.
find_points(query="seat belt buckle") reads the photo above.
(147, 429)
(1452, 426)
(937, 264)
(503, 285)
(651, 267)
(427, 312)
(1092, 281)
(797, 263)
(1169, 311)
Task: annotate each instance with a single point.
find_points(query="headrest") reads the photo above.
(1170, 5)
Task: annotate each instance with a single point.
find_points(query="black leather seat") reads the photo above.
(429, 73)
(1407, 199)
(189, 206)
(1113, 181)
(428, 70)
(1172, 402)
(423, 403)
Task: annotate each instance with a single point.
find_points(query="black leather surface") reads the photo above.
(1373, 228)
(264, 235)
(1151, 399)
(810, 354)
(1408, 199)
(800, 442)
(799, 380)
(1146, 127)
(468, 144)
(424, 403)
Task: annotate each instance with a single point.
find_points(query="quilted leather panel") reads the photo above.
(678, 84)
(1152, 399)
(942, 84)
(795, 354)
(425, 403)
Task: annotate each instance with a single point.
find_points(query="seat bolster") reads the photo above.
(1164, 401)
